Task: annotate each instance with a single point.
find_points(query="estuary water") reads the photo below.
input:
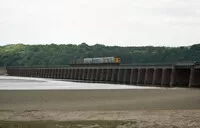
(29, 83)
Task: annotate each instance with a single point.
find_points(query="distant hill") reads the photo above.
(49, 55)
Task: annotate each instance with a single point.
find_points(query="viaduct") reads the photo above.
(172, 75)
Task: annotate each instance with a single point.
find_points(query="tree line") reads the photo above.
(52, 55)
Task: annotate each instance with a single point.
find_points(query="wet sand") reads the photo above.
(139, 108)
(102, 119)
(100, 100)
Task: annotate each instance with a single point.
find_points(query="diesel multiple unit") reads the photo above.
(100, 60)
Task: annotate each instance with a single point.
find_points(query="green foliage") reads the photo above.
(49, 55)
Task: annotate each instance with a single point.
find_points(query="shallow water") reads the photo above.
(28, 83)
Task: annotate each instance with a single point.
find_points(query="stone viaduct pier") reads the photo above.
(172, 75)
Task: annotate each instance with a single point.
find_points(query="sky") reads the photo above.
(109, 22)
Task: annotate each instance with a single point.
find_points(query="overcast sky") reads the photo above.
(109, 22)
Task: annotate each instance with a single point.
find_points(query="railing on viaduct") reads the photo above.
(178, 75)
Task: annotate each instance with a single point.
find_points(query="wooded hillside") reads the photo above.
(49, 55)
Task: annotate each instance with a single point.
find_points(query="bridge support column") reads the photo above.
(32, 71)
(72, 73)
(120, 79)
(181, 77)
(194, 78)
(114, 77)
(149, 76)
(49, 72)
(98, 74)
(141, 76)
(64, 73)
(157, 77)
(172, 77)
(43, 73)
(40, 73)
(59, 73)
(49, 75)
(166, 75)
(89, 74)
(76, 73)
(22, 72)
(37, 72)
(80, 73)
(103, 75)
(17, 71)
(93, 76)
(109, 75)
(85, 72)
(55, 73)
(134, 76)
(127, 75)
(46, 73)
(32, 74)
(68, 73)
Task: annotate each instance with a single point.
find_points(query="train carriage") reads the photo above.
(95, 61)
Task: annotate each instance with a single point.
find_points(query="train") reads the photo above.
(99, 60)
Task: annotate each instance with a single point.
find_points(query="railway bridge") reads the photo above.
(163, 75)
